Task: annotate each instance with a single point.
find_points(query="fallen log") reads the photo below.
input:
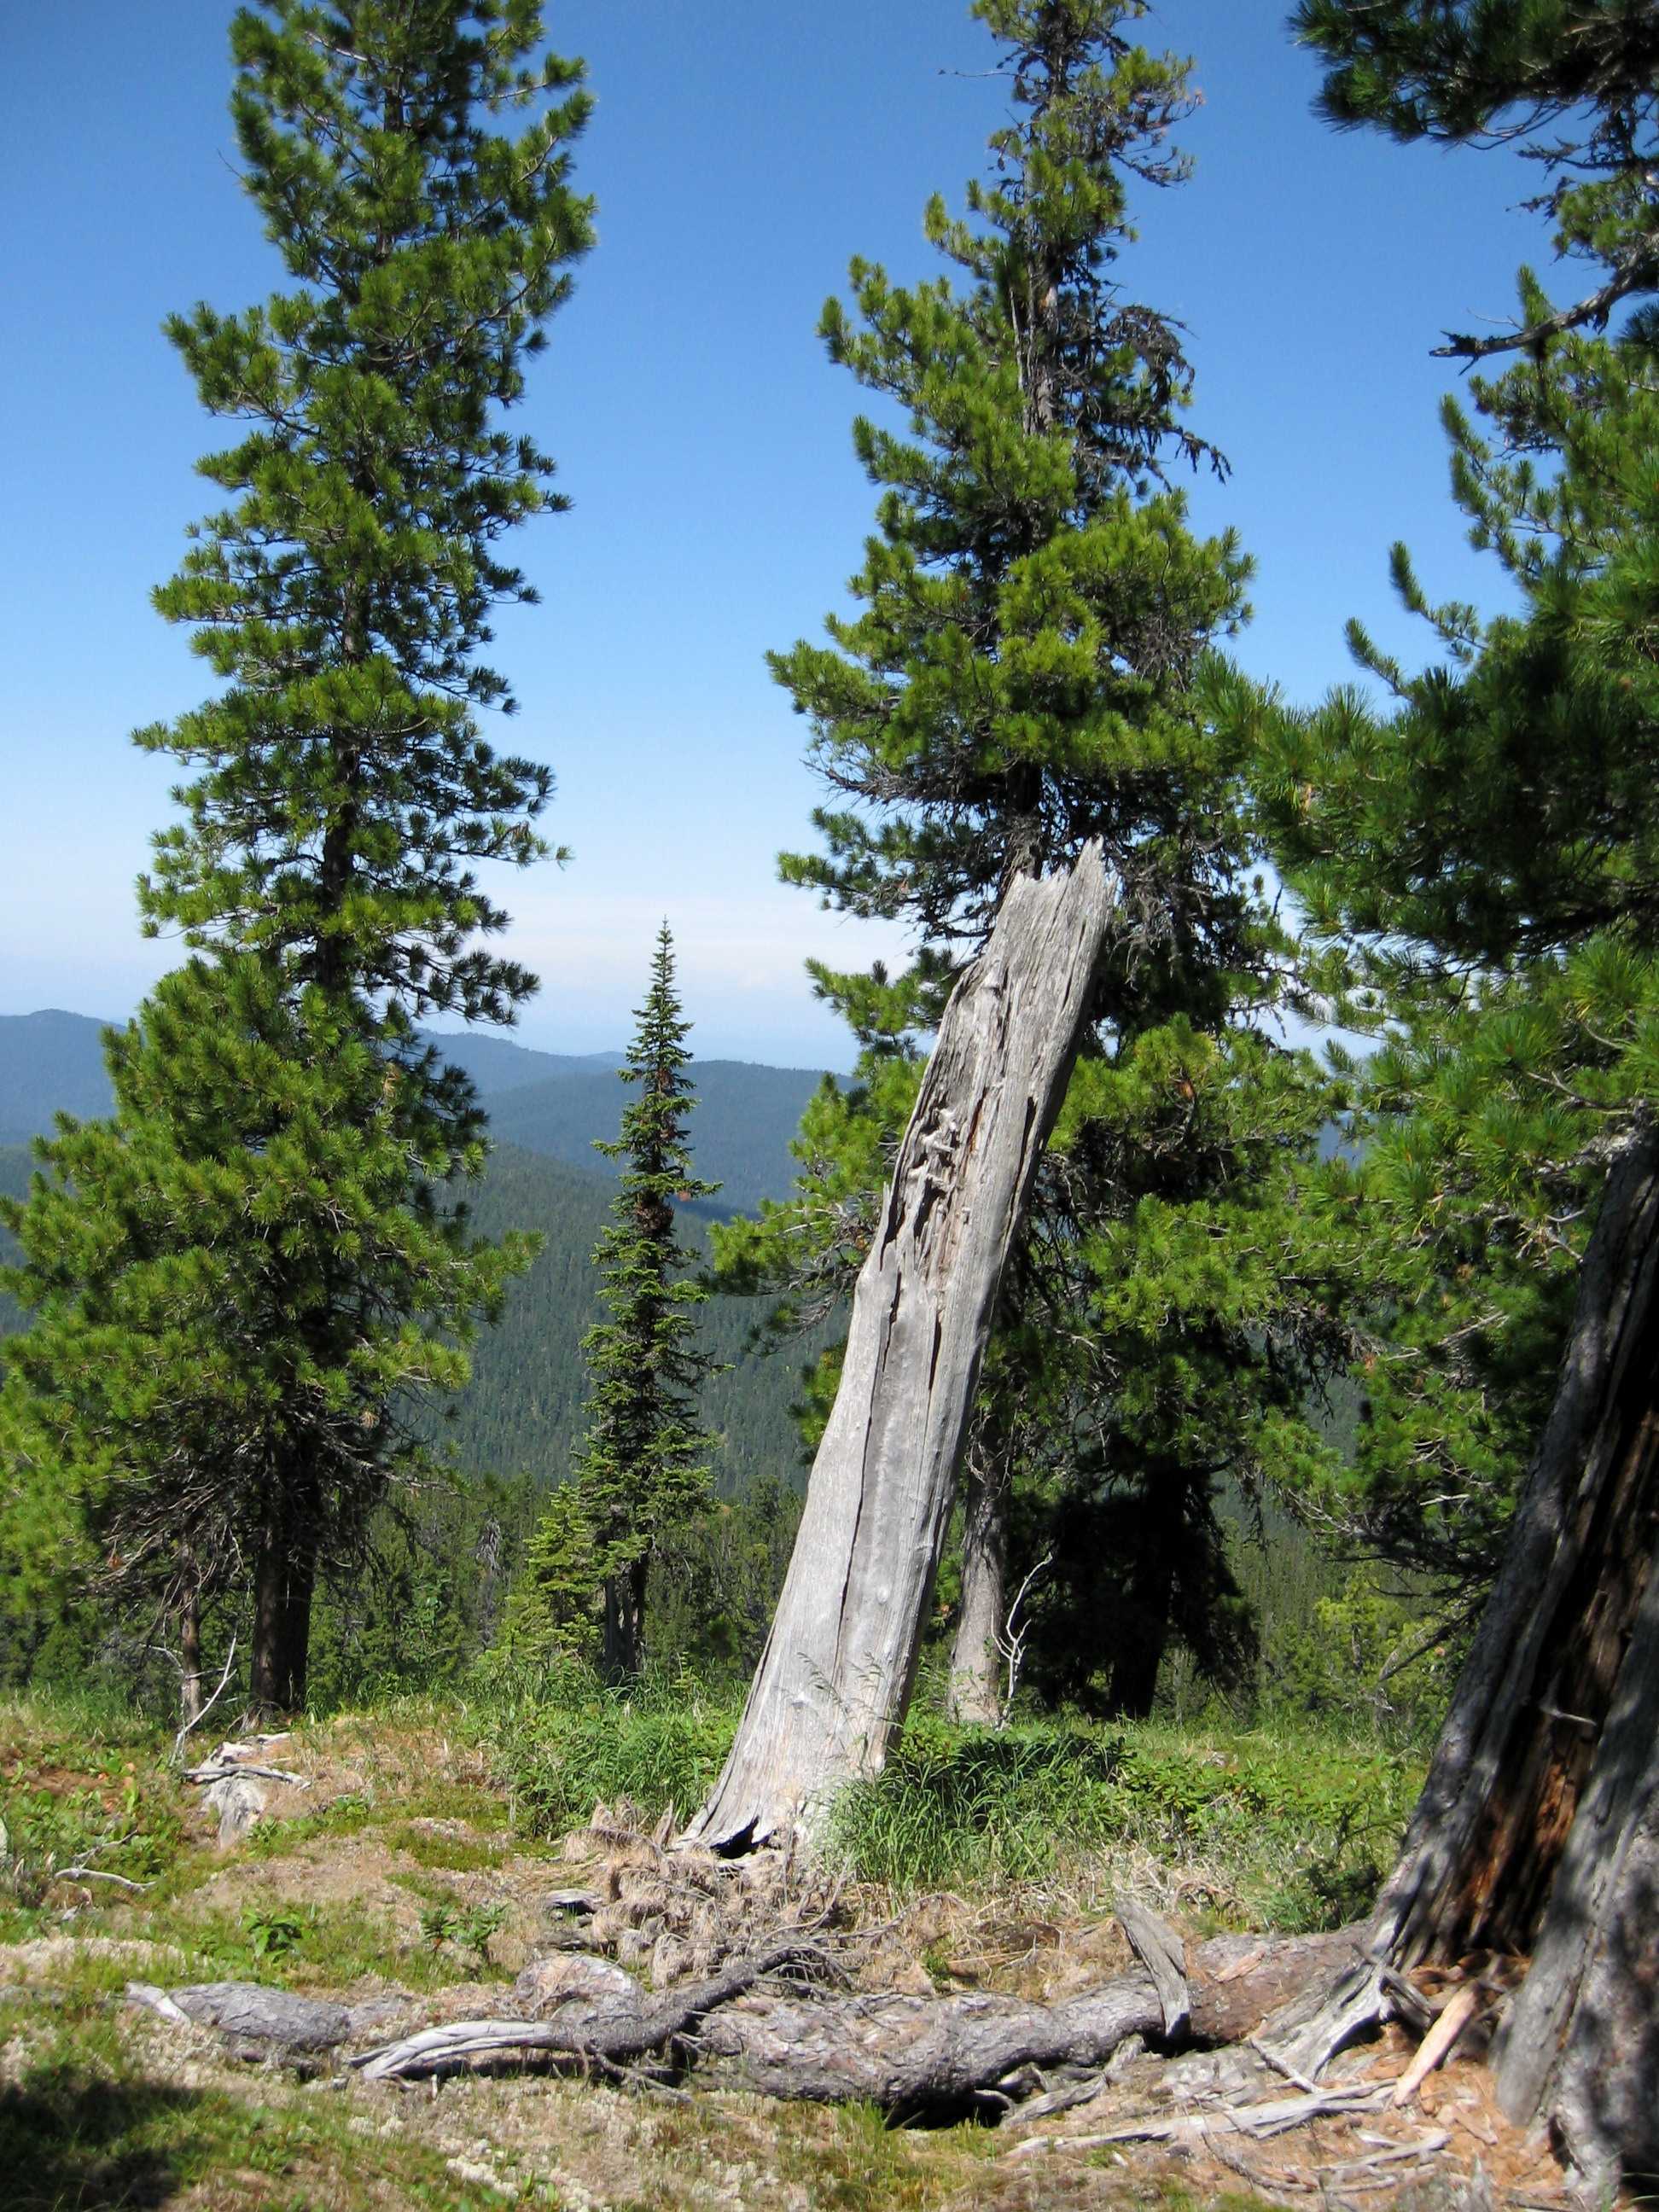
(914, 2057)
(616, 2029)
(264, 2022)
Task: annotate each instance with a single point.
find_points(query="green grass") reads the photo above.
(659, 1743)
(1291, 1828)
(83, 2125)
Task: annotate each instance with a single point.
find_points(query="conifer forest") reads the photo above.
(1064, 1614)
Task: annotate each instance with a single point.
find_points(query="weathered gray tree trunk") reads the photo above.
(1538, 1828)
(916, 2056)
(190, 1655)
(974, 1694)
(837, 1669)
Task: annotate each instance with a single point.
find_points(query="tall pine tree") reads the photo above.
(280, 1128)
(643, 1471)
(1483, 852)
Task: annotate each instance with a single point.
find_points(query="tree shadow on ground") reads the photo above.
(68, 2138)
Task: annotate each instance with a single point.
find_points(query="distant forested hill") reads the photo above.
(495, 1063)
(555, 1103)
(50, 1063)
(523, 1411)
(740, 1131)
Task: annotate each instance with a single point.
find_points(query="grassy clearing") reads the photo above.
(1254, 1829)
(1289, 1828)
(561, 1744)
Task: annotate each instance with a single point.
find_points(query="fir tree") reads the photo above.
(643, 1471)
(280, 1128)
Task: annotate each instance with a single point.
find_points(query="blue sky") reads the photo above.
(740, 156)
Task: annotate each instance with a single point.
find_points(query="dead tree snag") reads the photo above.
(1538, 1828)
(836, 1671)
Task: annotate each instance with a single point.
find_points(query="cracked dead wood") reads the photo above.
(914, 2057)
(1163, 1955)
(1538, 1828)
(837, 1669)
(613, 2029)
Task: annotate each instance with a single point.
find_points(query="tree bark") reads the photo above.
(837, 1669)
(190, 1656)
(1538, 1828)
(284, 1583)
(975, 1695)
(622, 1649)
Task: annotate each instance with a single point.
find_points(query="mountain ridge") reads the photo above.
(556, 1105)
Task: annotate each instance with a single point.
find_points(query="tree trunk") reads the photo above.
(1538, 1828)
(284, 1582)
(190, 1656)
(837, 1669)
(1150, 1598)
(622, 1651)
(975, 1695)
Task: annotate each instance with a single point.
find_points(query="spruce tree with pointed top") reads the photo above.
(259, 1222)
(642, 1470)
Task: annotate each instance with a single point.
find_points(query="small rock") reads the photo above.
(567, 1978)
(560, 1901)
(276, 2023)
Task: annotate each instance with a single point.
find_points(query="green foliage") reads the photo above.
(1366, 1658)
(714, 1581)
(1017, 683)
(1265, 1823)
(273, 1931)
(472, 1929)
(345, 591)
(1480, 855)
(1572, 78)
(553, 1611)
(640, 1473)
(564, 1742)
(240, 1286)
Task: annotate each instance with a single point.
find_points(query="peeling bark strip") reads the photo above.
(1538, 1827)
(835, 1674)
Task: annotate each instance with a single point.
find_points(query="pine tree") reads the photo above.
(281, 1128)
(643, 1472)
(1018, 680)
(1484, 857)
(1482, 853)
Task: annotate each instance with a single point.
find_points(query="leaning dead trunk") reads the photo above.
(1538, 1828)
(836, 1671)
(974, 1694)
